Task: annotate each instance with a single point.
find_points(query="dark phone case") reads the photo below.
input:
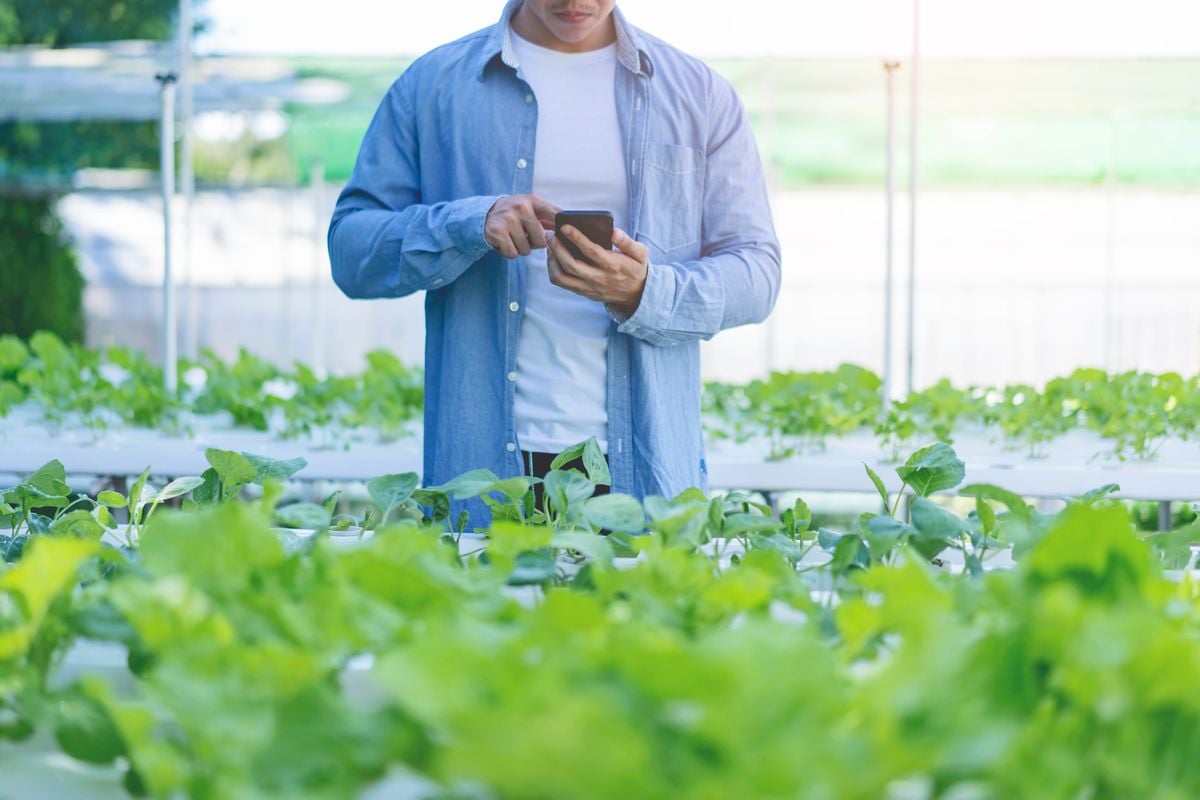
(595, 225)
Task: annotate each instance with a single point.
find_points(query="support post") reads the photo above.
(320, 276)
(889, 68)
(914, 164)
(1164, 515)
(170, 342)
(187, 177)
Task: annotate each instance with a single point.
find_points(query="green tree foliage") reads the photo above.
(59, 23)
(38, 272)
(50, 151)
(38, 264)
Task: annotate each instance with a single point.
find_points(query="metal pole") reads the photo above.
(912, 196)
(890, 68)
(187, 169)
(167, 171)
(320, 262)
(1165, 518)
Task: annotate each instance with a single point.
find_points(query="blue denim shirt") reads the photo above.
(453, 134)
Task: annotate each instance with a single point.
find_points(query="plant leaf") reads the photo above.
(533, 567)
(567, 489)
(884, 533)
(512, 488)
(274, 469)
(595, 463)
(437, 501)
(986, 515)
(208, 492)
(598, 548)
(879, 487)
(469, 484)
(78, 524)
(615, 512)
(567, 456)
(932, 521)
(1090, 498)
(306, 516)
(137, 490)
(850, 553)
(234, 470)
(178, 487)
(932, 469)
(935, 528)
(84, 730)
(388, 492)
(110, 499)
(49, 480)
(1010, 500)
(801, 516)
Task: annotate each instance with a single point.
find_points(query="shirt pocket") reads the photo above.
(673, 203)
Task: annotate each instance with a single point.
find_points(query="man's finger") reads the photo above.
(595, 253)
(544, 210)
(557, 275)
(507, 248)
(567, 262)
(519, 238)
(534, 232)
(574, 285)
(557, 252)
(563, 279)
(629, 246)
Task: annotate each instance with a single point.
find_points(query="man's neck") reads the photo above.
(531, 29)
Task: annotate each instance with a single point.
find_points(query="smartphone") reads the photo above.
(595, 225)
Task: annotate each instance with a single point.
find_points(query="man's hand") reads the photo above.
(516, 224)
(614, 278)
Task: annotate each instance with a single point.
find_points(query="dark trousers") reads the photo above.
(538, 464)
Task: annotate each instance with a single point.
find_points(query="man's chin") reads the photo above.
(570, 35)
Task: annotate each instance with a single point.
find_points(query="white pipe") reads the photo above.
(167, 171)
(912, 195)
(321, 264)
(187, 171)
(890, 68)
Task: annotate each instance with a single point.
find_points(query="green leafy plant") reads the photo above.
(699, 646)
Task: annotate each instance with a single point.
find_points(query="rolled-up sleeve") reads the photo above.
(736, 279)
(383, 240)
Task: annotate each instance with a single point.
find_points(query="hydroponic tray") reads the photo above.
(1070, 465)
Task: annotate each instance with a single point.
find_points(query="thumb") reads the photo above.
(629, 246)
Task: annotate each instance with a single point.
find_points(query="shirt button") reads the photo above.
(512, 448)
(514, 306)
(528, 98)
(512, 376)
(522, 163)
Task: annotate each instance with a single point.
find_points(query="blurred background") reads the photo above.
(1057, 221)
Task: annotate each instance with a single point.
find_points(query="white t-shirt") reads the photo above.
(578, 163)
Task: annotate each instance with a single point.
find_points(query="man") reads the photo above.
(561, 105)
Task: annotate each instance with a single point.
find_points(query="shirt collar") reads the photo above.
(630, 53)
